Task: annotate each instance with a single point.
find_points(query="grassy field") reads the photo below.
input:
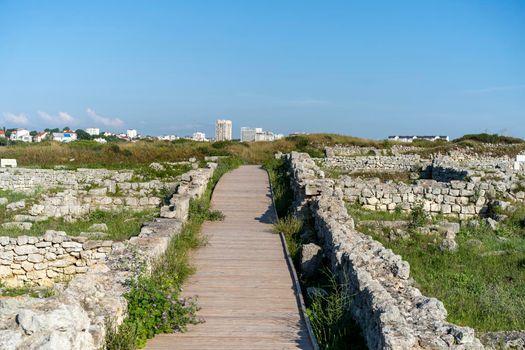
(481, 284)
(121, 155)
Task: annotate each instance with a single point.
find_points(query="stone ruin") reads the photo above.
(460, 185)
(391, 311)
(96, 270)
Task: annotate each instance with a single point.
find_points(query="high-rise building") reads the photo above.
(223, 130)
(249, 134)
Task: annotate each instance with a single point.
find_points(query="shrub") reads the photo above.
(114, 148)
(418, 217)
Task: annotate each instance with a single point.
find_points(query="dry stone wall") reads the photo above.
(459, 186)
(457, 198)
(27, 180)
(374, 163)
(392, 313)
(76, 317)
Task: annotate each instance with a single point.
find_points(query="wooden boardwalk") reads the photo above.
(243, 282)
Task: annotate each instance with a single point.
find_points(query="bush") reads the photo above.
(418, 217)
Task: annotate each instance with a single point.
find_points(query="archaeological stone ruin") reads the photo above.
(87, 272)
(391, 311)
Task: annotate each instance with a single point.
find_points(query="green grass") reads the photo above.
(28, 291)
(280, 180)
(290, 227)
(331, 322)
(329, 314)
(121, 224)
(127, 155)
(154, 303)
(481, 284)
(170, 172)
(13, 196)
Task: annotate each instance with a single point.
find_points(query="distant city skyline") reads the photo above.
(369, 69)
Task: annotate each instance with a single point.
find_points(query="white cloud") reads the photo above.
(19, 119)
(62, 117)
(112, 122)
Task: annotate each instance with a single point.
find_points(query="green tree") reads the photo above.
(83, 135)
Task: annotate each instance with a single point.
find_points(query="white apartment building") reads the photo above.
(249, 134)
(264, 136)
(131, 133)
(223, 130)
(93, 131)
(199, 136)
(258, 134)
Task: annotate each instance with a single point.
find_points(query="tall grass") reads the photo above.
(280, 180)
(329, 314)
(290, 227)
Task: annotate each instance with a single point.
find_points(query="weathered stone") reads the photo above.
(448, 245)
(35, 258)
(311, 258)
(98, 228)
(25, 249)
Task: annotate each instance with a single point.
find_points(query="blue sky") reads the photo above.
(365, 68)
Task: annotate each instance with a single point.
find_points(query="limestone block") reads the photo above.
(5, 271)
(27, 266)
(35, 258)
(446, 209)
(25, 249)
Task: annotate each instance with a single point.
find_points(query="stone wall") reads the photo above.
(74, 204)
(458, 198)
(407, 162)
(349, 151)
(25, 179)
(44, 259)
(459, 185)
(76, 317)
(392, 313)
(48, 258)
